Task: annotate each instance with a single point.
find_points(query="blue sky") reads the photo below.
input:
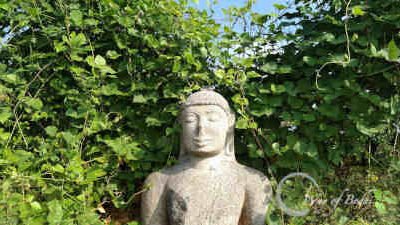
(260, 6)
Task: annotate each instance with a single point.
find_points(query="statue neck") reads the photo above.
(207, 163)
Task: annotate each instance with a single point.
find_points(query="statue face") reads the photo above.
(204, 130)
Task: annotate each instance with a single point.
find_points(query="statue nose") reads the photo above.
(201, 127)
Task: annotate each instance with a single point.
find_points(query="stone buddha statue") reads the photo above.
(208, 186)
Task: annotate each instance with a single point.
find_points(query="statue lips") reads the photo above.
(201, 142)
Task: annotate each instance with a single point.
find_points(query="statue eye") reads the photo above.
(190, 118)
(213, 117)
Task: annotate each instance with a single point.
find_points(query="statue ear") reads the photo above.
(229, 142)
(179, 118)
(232, 119)
(182, 150)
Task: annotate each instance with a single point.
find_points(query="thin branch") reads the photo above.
(346, 30)
(17, 117)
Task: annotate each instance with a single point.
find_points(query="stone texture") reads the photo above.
(208, 186)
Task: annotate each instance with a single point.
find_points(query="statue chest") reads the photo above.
(196, 197)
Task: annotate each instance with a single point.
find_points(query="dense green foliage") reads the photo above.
(89, 93)
(326, 100)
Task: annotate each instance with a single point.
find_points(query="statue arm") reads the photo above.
(153, 203)
(258, 195)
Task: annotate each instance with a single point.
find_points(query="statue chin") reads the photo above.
(204, 152)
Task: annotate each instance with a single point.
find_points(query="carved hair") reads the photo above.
(207, 96)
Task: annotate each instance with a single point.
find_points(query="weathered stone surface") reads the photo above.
(208, 186)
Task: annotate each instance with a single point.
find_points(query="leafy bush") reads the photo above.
(89, 91)
(319, 85)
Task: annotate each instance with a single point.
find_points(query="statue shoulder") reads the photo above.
(158, 178)
(258, 193)
(258, 186)
(161, 177)
(253, 176)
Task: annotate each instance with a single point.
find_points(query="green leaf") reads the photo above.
(189, 57)
(91, 22)
(58, 168)
(312, 150)
(60, 46)
(112, 54)
(89, 217)
(308, 117)
(5, 114)
(260, 110)
(259, 18)
(369, 130)
(300, 146)
(35, 103)
(139, 99)
(269, 67)
(51, 131)
(55, 215)
(278, 89)
(99, 60)
(36, 206)
(380, 207)
(93, 174)
(110, 89)
(330, 37)
(100, 122)
(238, 99)
(279, 6)
(309, 60)
(246, 62)
(291, 140)
(390, 198)
(18, 156)
(5, 6)
(295, 102)
(134, 222)
(357, 10)
(335, 155)
(284, 69)
(100, 63)
(393, 50)
(276, 147)
(378, 195)
(253, 74)
(177, 65)
(76, 17)
(331, 111)
(242, 123)
(70, 138)
(76, 41)
(275, 101)
(373, 50)
(9, 78)
(80, 113)
(123, 146)
(153, 121)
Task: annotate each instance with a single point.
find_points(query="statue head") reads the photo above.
(207, 125)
